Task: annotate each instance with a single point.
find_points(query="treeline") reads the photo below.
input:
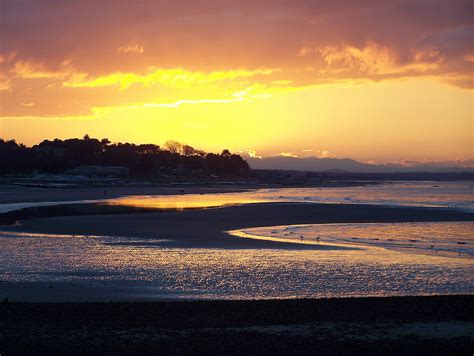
(142, 160)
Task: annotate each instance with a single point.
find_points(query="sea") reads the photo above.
(379, 259)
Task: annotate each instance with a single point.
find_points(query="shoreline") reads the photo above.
(209, 227)
(195, 229)
(127, 227)
(393, 325)
(14, 194)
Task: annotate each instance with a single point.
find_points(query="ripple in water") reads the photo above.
(160, 272)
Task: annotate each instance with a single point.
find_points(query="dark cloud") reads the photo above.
(225, 33)
(422, 37)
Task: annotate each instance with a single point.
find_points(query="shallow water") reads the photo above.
(458, 195)
(161, 272)
(390, 259)
(451, 239)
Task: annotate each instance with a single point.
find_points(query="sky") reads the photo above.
(373, 80)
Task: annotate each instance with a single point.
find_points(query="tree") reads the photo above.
(174, 147)
(188, 150)
(142, 160)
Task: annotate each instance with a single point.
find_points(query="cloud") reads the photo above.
(27, 105)
(270, 45)
(136, 49)
(304, 51)
(167, 77)
(254, 154)
(325, 154)
(250, 153)
(178, 103)
(80, 93)
(286, 154)
(29, 69)
(469, 57)
(317, 153)
(373, 59)
(4, 85)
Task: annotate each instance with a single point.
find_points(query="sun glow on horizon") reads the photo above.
(370, 117)
(268, 87)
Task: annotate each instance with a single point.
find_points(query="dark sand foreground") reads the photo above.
(378, 326)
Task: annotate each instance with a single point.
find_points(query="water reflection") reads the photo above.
(381, 265)
(452, 239)
(159, 271)
(188, 201)
(426, 194)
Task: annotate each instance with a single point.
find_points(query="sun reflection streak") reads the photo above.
(186, 201)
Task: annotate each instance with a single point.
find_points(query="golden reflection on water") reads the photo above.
(429, 194)
(188, 201)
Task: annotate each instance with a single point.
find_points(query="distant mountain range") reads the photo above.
(316, 164)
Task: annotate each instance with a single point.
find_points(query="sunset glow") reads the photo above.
(374, 81)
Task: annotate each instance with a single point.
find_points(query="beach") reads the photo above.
(207, 227)
(80, 275)
(236, 177)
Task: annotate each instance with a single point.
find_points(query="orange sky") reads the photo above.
(375, 81)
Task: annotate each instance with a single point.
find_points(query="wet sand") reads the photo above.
(404, 325)
(435, 325)
(203, 228)
(207, 227)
